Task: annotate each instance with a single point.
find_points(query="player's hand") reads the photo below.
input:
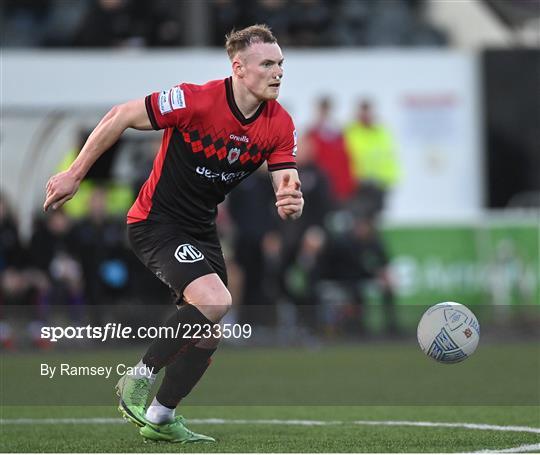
(60, 189)
(290, 202)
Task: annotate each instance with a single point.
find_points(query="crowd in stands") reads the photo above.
(77, 262)
(166, 23)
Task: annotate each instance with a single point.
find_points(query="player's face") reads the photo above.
(263, 70)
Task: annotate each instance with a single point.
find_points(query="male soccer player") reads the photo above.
(215, 135)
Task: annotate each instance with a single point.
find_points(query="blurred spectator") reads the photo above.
(100, 247)
(301, 280)
(162, 20)
(309, 23)
(275, 14)
(349, 22)
(143, 160)
(390, 24)
(329, 152)
(253, 243)
(62, 22)
(353, 259)
(383, 23)
(375, 164)
(227, 14)
(19, 284)
(12, 253)
(298, 238)
(317, 195)
(23, 22)
(119, 195)
(52, 251)
(111, 23)
(14, 287)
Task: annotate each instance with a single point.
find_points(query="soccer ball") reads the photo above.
(448, 332)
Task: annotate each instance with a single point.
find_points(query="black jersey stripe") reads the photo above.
(234, 108)
(280, 166)
(150, 112)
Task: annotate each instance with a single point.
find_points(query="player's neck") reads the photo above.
(244, 99)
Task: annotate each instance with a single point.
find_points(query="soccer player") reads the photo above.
(215, 135)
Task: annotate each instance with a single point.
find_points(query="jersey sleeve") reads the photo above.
(284, 156)
(170, 108)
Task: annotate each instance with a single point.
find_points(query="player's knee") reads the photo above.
(214, 304)
(220, 303)
(210, 296)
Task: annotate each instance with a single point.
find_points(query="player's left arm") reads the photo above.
(290, 201)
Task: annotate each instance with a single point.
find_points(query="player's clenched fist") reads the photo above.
(290, 202)
(60, 189)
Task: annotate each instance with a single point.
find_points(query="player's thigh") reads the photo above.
(214, 256)
(176, 258)
(209, 293)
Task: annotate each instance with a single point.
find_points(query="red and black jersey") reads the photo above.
(208, 148)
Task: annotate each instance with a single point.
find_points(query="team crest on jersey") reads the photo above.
(233, 155)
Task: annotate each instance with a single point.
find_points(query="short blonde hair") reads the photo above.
(238, 40)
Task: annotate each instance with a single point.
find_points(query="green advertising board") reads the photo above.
(489, 264)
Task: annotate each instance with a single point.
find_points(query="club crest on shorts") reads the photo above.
(188, 253)
(233, 155)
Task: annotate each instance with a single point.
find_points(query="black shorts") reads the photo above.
(176, 257)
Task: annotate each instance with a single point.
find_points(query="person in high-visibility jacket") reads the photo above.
(375, 164)
(119, 195)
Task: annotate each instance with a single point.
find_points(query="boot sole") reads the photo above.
(126, 413)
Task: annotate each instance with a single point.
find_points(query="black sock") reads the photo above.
(182, 375)
(162, 351)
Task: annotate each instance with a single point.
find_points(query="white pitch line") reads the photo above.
(524, 448)
(107, 420)
(75, 421)
(471, 426)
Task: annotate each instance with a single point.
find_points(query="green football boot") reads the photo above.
(133, 393)
(174, 431)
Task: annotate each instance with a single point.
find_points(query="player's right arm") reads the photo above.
(63, 186)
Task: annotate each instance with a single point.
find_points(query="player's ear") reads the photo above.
(238, 67)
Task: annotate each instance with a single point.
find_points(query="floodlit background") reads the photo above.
(419, 152)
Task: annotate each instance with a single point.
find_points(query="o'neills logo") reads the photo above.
(239, 138)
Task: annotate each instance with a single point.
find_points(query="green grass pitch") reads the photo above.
(267, 400)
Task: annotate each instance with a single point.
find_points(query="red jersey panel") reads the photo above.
(208, 148)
